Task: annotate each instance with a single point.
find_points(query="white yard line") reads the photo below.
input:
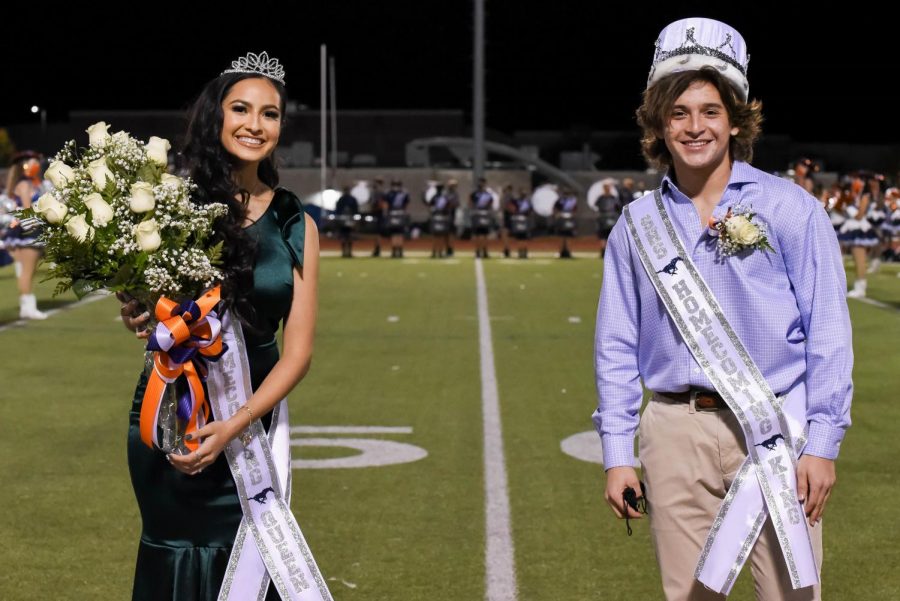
(51, 312)
(875, 303)
(500, 567)
(351, 430)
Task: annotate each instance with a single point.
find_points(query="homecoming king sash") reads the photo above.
(269, 543)
(766, 483)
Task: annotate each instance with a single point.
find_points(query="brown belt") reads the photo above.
(708, 400)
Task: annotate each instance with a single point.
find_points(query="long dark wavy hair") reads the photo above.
(211, 167)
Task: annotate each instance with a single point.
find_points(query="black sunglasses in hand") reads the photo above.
(630, 499)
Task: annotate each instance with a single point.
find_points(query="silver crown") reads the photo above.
(694, 43)
(258, 63)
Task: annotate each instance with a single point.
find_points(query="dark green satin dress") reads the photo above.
(189, 522)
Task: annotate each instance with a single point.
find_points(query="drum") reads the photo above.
(565, 224)
(342, 222)
(440, 224)
(518, 225)
(347, 221)
(482, 220)
(605, 223)
(397, 221)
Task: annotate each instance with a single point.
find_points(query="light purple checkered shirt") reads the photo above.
(788, 307)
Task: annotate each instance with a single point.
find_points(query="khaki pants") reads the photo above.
(689, 460)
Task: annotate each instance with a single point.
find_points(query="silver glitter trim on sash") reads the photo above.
(263, 588)
(720, 515)
(257, 430)
(307, 556)
(771, 502)
(745, 549)
(242, 534)
(232, 565)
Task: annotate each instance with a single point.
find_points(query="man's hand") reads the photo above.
(617, 480)
(815, 479)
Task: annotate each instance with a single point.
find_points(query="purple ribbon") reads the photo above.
(162, 339)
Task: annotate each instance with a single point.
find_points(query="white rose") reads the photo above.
(741, 230)
(51, 209)
(142, 199)
(120, 136)
(98, 134)
(101, 212)
(168, 178)
(59, 174)
(100, 173)
(79, 229)
(158, 150)
(147, 234)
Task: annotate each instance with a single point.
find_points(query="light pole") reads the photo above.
(35, 109)
(478, 96)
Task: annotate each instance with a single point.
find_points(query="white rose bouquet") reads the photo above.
(116, 220)
(739, 230)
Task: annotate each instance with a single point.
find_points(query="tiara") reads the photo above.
(258, 63)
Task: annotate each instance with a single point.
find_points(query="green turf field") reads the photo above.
(398, 349)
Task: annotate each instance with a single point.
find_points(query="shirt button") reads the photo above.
(696, 370)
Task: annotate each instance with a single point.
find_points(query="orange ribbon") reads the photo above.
(186, 331)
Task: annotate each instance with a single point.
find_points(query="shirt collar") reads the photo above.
(741, 173)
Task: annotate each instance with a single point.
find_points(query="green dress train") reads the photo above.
(189, 522)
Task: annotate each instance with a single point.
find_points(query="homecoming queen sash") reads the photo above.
(766, 483)
(269, 544)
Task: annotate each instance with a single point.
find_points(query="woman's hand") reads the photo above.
(132, 317)
(215, 436)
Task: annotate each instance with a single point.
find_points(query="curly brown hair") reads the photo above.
(654, 113)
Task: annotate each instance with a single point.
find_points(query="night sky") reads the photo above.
(556, 64)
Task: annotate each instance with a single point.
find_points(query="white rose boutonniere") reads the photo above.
(739, 230)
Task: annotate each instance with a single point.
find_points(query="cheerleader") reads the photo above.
(876, 216)
(857, 233)
(834, 199)
(801, 174)
(891, 225)
(23, 186)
